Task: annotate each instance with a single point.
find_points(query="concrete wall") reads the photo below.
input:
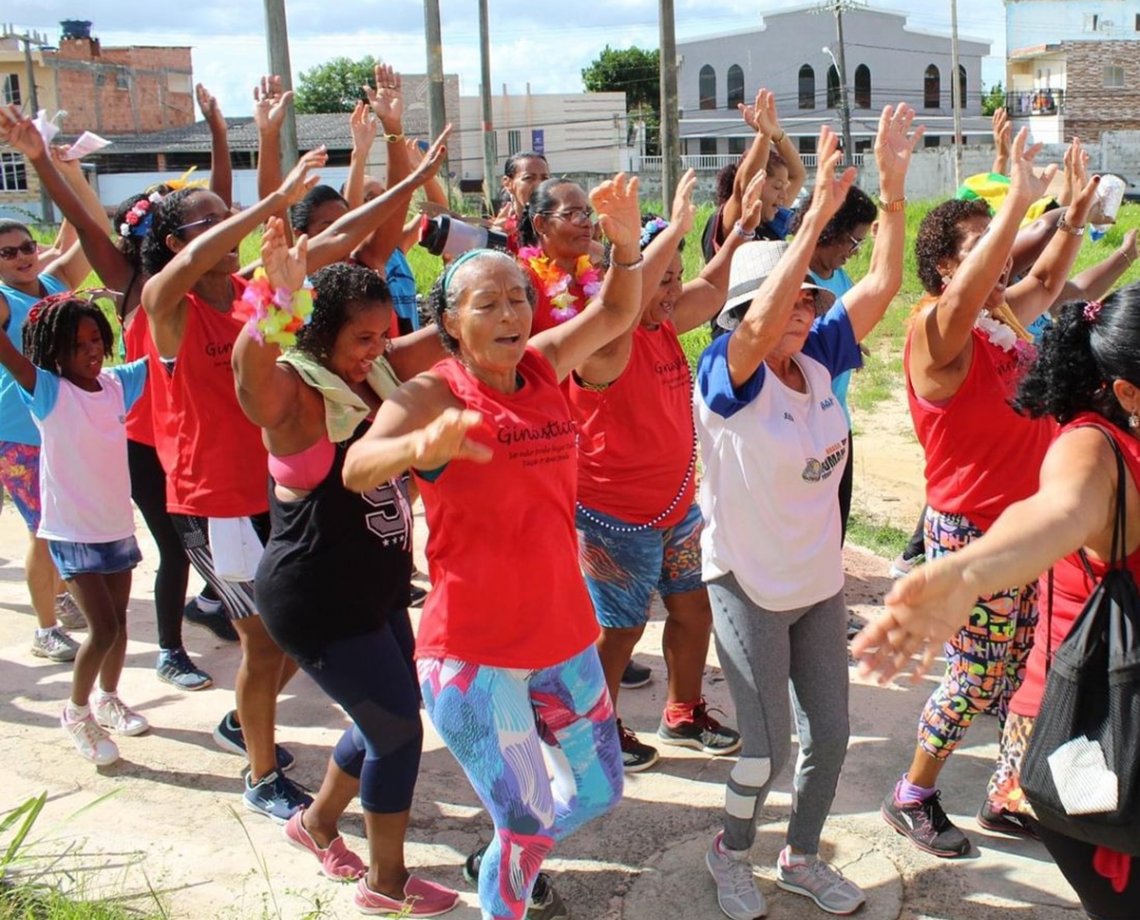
(1037, 22)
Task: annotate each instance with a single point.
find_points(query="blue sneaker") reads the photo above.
(175, 667)
(229, 738)
(275, 796)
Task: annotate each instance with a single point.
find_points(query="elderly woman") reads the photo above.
(312, 402)
(965, 351)
(774, 444)
(506, 653)
(1083, 379)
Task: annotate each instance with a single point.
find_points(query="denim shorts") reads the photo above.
(622, 568)
(94, 558)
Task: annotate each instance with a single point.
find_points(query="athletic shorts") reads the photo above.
(237, 596)
(623, 567)
(20, 476)
(73, 559)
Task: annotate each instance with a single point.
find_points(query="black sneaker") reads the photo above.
(175, 667)
(218, 623)
(229, 737)
(275, 796)
(635, 675)
(1000, 821)
(545, 904)
(702, 733)
(926, 824)
(635, 756)
(416, 596)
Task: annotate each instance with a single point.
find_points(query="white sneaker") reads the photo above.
(90, 740)
(113, 714)
(824, 884)
(54, 644)
(736, 890)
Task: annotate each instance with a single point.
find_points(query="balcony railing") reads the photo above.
(1023, 103)
(710, 162)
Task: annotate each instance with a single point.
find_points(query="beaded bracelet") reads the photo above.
(738, 229)
(636, 263)
(273, 316)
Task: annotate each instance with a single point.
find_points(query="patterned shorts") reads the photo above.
(20, 476)
(623, 568)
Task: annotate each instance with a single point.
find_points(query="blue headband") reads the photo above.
(449, 272)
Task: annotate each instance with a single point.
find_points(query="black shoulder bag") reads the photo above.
(1092, 692)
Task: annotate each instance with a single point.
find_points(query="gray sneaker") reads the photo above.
(67, 612)
(736, 890)
(55, 644)
(825, 885)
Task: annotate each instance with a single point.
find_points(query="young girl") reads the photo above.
(85, 493)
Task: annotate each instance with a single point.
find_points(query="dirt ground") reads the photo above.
(168, 817)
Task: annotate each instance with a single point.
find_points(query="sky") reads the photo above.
(528, 45)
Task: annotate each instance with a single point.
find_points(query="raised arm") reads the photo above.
(658, 255)
(1096, 281)
(618, 304)
(221, 170)
(1002, 132)
(269, 107)
(894, 144)
(769, 125)
(268, 392)
(757, 116)
(767, 318)
(362, 124)
(13, 359)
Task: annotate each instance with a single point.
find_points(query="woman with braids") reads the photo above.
(312, 402)
(87, 520)
(1085, 379)
(965, 351)
(505, 651)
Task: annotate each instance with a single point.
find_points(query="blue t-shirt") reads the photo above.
(402, 287)
(831, 342)
(16, 424)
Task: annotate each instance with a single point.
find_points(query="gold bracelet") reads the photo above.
(636, 263)
(1065, 227)
(892, 207)
(777, 140)
(393, 138)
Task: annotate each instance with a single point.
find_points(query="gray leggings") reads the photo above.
(765, 653)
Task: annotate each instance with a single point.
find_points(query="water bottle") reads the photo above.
(1102, 215)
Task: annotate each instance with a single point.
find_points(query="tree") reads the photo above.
(993, 100)
(334, 86)
(636, 72)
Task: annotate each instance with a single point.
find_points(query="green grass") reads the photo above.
(879, 537)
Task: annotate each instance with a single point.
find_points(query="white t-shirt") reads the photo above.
(773, 459)
(85, 484)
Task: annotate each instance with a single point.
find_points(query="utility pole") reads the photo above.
(437, 106)
(670, 124)
(277, 35)
(956, 93)
(488, 120)
(47, 212)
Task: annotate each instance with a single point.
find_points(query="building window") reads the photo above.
(514, 142)
(1113, 77)
(706, 91)
(735, 87)
(122, 79)
(862, 87)
(807, 87)
(963, 95)
(708, 146)
(834, 96)
(932, 88)
(807, 144)
(737, 145)
(13, 173)
(931, 140)
(12, 89)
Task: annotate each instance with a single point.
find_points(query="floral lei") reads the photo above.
(137, 221)
(556, 283)
(1001, 335)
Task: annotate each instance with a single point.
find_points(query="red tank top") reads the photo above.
(543, 317)
(1071, 585)
(981, 455)
(140, 418)
(635, 453)
(502, 549)
(216, 465)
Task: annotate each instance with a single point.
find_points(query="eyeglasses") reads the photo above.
(574, 215)
(855, 243)
(26, 248)
(206, 222)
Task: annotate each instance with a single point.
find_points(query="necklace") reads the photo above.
(1004, 337)
(555, 281)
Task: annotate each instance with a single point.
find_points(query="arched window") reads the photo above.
(962, 87)
(862, 87)
(834, 96)
(706, 89)
(932, 88)
(807, 87)
(735, 86)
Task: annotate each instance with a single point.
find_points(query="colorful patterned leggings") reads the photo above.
(510, 729)
(985, 662)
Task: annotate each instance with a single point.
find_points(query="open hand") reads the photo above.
(299, 180)
(1025, 184)
(211, 111)
(619, 213)
(445, 439)
(270, 104)
(284, 266)
(830, 190)
(387, 99)
(1003, 132)
(684, 213)
(20, 132)
(751, 207)
(431, 160)
(894, 146)
(362, 123)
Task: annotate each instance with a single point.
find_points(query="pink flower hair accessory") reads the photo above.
(1092, 311)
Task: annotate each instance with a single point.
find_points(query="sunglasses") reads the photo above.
(206, 222)
(26, 248)
(574, 215)
(855, 243)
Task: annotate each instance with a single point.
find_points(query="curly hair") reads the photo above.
(940, 236)
(857, 208)
(52, 328)
(340, 291)
(1079, 358)
(169, 215)
(301, 214)
(443, 298)
(542, 200)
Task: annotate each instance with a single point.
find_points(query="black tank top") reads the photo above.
(336, 563)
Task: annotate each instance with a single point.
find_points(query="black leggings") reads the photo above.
(148, 489)
(1075, 860)
(846, 485)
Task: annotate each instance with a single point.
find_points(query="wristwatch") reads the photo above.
(1066, 227)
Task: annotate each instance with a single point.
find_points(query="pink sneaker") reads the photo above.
(421, 899)
(337, 860)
